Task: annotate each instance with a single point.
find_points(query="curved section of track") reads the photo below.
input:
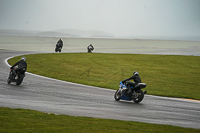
(59, 97)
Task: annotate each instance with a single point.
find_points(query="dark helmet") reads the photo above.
(135, 73)
(23, 58)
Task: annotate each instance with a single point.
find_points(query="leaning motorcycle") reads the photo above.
(90, 49)
(58, 47)
(16, 76)
(137, 95)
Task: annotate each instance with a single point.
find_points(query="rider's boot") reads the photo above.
(133, 93)
(129, 92)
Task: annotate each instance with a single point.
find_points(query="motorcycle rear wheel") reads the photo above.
(19, 80)
(117, 95)
(140, 96)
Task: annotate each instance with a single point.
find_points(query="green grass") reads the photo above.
(165, 75)
(23, 121)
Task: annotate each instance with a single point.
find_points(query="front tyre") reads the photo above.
(139, 97)
(117, 95)
(8, 80)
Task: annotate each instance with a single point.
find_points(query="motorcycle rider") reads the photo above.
(136, 79)
(60, 43)
(20, 64)
(90, 48)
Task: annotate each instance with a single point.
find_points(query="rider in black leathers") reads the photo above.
(60, 43)
(136, 79)
(90, 48)
(20, 64)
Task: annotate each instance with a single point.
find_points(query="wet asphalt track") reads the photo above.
(53, 96)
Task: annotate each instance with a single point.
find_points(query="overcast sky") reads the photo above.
(118, 17)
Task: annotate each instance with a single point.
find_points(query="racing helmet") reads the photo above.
(135, 73)
(23, 58)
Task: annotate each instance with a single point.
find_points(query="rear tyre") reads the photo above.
(19, 80)
(117, 95)
(140, 96)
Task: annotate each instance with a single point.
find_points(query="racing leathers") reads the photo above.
(90, 48)
(59, 43)
(20, 64)
(136, 79)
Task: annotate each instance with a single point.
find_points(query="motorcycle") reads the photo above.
(137, 95)
(58, 47)
(16, 76)
(90, 49)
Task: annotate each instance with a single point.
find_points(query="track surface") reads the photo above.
(59, 97)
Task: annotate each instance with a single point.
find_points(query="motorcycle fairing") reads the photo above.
(124, 97)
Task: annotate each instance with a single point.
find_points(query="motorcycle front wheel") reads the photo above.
(140, 96)
(9, 80)
(117, 95)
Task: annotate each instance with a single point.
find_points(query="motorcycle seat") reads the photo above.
(140, 85)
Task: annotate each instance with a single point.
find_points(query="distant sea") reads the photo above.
(72, 33)
(130, 46)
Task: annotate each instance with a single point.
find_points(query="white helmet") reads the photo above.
(23, 58)
(135, 73)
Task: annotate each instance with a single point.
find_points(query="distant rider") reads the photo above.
(60, 43)
(136, 79)
(90, 48)
(20, 64)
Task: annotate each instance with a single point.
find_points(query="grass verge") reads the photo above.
(23, 121)
(165, 75)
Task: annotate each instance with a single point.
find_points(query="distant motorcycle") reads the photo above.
(16, 76)
(90, 48)
(137, 95)
(58, 47)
